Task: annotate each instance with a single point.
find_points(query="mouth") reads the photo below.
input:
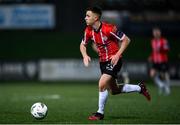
(87, 22)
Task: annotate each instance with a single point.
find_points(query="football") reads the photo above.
(39, 110)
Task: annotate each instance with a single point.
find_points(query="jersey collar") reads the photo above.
(98, 28)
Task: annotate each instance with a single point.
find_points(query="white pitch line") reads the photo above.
(35, 97)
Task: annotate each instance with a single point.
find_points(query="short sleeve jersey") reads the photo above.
(160, 50)
(106, 39)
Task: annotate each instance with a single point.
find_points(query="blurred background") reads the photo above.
(39, 39)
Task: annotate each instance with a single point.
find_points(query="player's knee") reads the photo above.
(102, 87)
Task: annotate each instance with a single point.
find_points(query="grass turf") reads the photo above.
(72, 103)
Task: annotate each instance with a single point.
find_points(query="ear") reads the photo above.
(96, 17)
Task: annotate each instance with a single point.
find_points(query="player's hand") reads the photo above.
(115, 59)
(152, 72)
(86, 61)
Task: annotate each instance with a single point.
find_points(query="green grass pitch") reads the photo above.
(73, 102)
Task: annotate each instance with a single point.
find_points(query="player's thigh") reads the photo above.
(113, 85)
(163, 75)
(104, 81)
(167, 75)
(108, 82)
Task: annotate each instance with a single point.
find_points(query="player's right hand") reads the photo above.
(86, 61)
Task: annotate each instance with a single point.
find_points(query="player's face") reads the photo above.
(90, 18)
(156, 33)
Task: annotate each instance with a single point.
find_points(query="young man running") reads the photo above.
(106, 37)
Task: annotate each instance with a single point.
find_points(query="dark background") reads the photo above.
(63, 40)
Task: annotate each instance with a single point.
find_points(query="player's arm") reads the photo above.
(124, 44)
(165, 47)
(85, 40)
(86, 58)
(150, 58)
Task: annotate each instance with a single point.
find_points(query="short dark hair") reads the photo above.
(95, 9)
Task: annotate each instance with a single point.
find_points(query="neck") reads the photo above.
(157, 38)
(96, 25)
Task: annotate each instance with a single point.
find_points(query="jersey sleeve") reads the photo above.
(87, 37)
(118, 34)
(165, 46)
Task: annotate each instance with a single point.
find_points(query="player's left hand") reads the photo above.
(115, 59)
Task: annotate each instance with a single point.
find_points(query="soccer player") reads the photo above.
(159, 61)
(107, 37)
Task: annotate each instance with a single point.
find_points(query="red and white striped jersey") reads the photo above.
(106, 39)
(160, 50)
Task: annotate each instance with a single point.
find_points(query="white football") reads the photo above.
(39, 110)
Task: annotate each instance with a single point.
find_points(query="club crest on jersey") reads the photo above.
(104, 38)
